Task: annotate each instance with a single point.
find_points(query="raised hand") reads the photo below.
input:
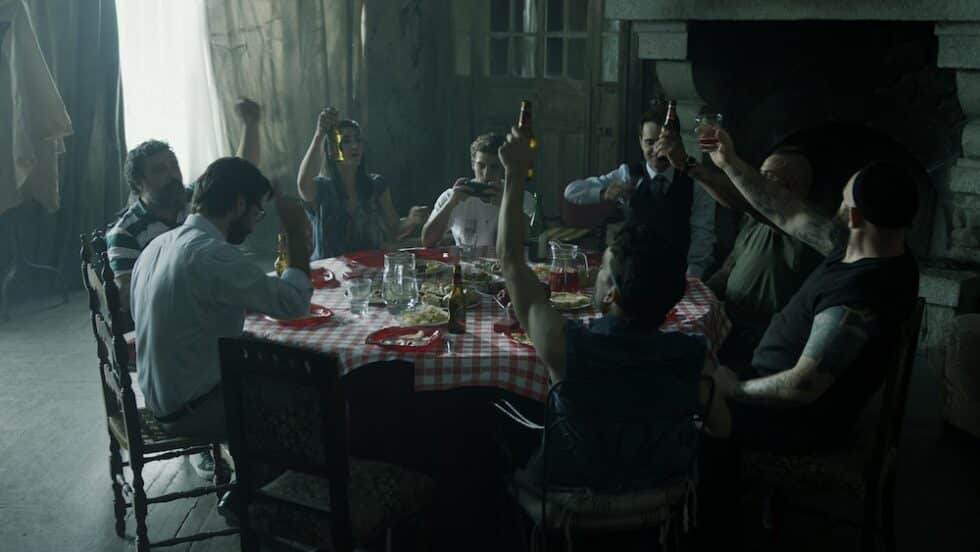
(670, 145)
(516, 154)
(248, 111)
(617, 190)
(723, 152)
(326, 120)
(418, 214)
(461, 192)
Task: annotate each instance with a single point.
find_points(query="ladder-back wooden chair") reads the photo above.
(856, 486)
(132, 429)
(287, 429)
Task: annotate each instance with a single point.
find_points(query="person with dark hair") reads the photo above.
(621, 362)
(468, 210)
(155, 179)
(349, 208)
(193, 285)
(827, 351)
(659, 194)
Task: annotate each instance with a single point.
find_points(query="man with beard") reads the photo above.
(658, 195)
(192, 286)
(154, 176)
(621, 363)
(828, 350)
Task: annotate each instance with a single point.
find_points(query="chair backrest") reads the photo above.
(286, 410)
(884, 447)
(113, 352)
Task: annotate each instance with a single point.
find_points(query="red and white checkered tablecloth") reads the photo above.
(479, 358)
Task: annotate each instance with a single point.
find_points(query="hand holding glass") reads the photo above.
(706, 128)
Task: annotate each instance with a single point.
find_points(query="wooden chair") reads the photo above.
(287, 429)
(854, 487)
(130, 428)
(570, 512)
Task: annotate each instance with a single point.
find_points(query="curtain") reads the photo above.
(79, 43)
(168, 81)
(294, 58)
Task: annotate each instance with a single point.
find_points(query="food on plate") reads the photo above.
(488, 265)
(437, 294)
(417, 339)
(425, 315)
(426, 268)
(569, 301)
(520, 337)
(541, 270)
(476, 275)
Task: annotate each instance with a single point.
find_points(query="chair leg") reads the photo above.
(116, 473)
(221, 474)
(139, 504)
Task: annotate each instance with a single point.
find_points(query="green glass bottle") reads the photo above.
(537, 219)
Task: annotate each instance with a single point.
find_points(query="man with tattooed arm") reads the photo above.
(827, 351)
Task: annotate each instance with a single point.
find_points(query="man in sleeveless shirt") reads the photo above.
(659, 195)
(827, 351)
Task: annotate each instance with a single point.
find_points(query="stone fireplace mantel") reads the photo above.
(661, 33)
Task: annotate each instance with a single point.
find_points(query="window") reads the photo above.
(513, 38)
(519, 28)
(566, 36)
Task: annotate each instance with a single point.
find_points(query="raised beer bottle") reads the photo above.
(524, 123)
(282, 259)
(457, 303)
(671, 122)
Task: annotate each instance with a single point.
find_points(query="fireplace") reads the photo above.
(910, 70)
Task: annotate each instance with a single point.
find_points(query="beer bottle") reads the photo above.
(671, 122)
(457, 303)
(282, 259)
(537, 219)
(524, 123)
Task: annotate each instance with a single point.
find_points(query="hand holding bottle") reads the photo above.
(326, 120)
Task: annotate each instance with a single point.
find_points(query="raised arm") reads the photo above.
(607, 187)
(544, 326)
(249, 148)
(781, 206)
(713, 181)
(310, 165)
(837, 337)
(437, 225)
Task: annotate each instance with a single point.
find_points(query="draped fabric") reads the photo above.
(294, 58)
(79, 43)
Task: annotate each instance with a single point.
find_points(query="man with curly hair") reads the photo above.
(468, 210)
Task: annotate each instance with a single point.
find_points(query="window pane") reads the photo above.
(553, 53)
(498, 56)
(499, 10)
(525, 16)
(524, 56)
(556, 20)
(578, 15)
(610, 57)
(576, 59)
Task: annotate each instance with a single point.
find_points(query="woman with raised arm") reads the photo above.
(349, 209)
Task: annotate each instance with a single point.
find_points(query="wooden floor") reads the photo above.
(54, 476)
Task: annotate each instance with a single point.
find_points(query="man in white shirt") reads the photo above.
(468, 210)
(681, 213)
(191, 285)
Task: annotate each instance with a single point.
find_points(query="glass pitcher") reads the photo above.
(399, 274)
(566, 263)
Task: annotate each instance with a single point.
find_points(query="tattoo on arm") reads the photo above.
(837, 337)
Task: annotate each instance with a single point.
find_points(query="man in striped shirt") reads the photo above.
(154, 176)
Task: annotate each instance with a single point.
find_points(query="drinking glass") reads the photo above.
(410, 289)
(467, 239)
(359, 292)
(398, 267)
(706, 128)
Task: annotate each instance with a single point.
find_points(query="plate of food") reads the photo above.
(520, 338)
(427, 268)
(541, 270)
(567, 301)
(437, 295)
(318, 315)
(424, 315)
(406, 339)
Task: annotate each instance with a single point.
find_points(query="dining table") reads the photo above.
(480, 357)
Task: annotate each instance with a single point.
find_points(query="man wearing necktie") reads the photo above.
(655, 193)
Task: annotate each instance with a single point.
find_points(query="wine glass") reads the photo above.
(706, 128)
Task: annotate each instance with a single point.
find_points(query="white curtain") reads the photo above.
(168, 84)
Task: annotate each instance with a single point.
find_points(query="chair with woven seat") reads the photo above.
(287, 424)
(579, 511)
(132, 429)
(853, 486)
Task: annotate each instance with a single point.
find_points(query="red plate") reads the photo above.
(510, 337)
(318, 315)
(322, 278)
(369, 259)
(379, 337)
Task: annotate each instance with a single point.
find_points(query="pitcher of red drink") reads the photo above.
(566, 262)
